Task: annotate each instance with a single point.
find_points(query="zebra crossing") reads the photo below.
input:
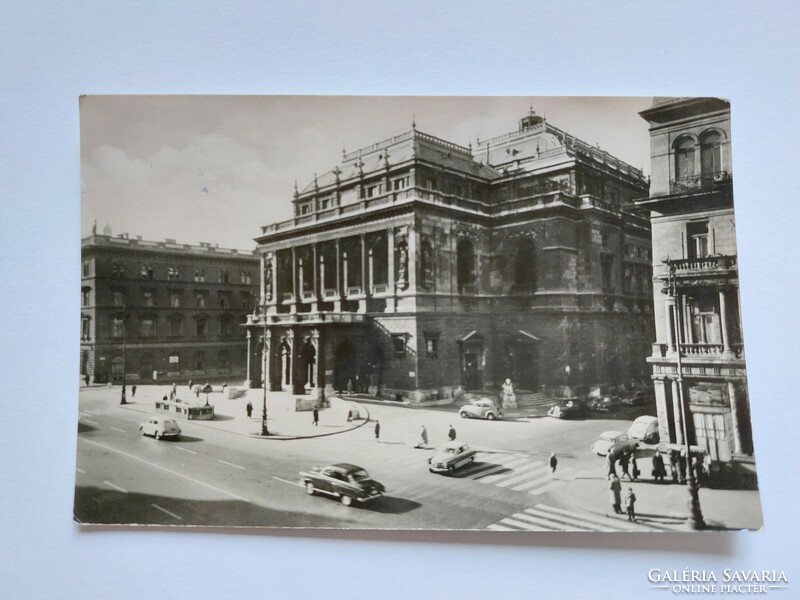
(513, 471)
(544, 518)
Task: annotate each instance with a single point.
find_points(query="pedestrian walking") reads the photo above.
(623, 464)
(610, 470)
(133, 391)
(658, 468)
(634, 468)
(377, 431)
(553, 463)
(630, 500)
(315, 417)
(615, 493)
(452, 433)
(349, 387)
(682, 467)
(86, 379)
(423, 437)
(249, 409)
(190, 384)
(349, 415)
(673, 465)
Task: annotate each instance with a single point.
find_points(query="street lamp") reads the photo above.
(264, 352)
(695, 515)
(124, 357)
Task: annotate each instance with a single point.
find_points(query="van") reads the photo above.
(644, 428)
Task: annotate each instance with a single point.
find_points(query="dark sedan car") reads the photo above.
(569, 409)
(343, 481)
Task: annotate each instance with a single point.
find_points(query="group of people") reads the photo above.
(627, 464)
(615, 495)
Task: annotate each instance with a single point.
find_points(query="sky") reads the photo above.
(216, 168)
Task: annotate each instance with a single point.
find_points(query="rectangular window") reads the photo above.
(175, 326)
(224, 276)
(173, 273)
(305, 209)
(604, 239)
(117, 328)
(149, 300)
(148, 328)
(175, 300)
(607, 265)
(199, 275)
(224, 300)
(432, 345)
(86, 268)
(247, 278)
(224, 326)
(85, 328)
(200, 327)
(119, 298)
(697, 235)
(85, 297)
(201, 300)
(324, 204)
(118, 270)
(246, 301)
(399, 341)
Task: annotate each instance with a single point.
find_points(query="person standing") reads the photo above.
(377, 431)
(615, 494)
(249, 409)
(451, 434)
(658, 468)
(610, 469)
(553, 463)
(423, 437)
(315, 417)
(86, 379)
(673, 464)
(634, 467)
(623, 464)
(133, 391)
(190, 384)
(630, 500)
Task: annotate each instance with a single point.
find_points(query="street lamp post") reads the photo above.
(265, 353)
(695, 515)
(122, 399)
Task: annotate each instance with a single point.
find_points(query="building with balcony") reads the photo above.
(163, 311)
(698, 358)
(419, 269)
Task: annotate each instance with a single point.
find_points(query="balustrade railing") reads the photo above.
(704, 181)
(705, 263)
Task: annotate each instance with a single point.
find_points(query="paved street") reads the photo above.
(219, 474)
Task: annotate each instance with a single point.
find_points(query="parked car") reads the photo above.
(344, 481)
(481, 409)
(644, 428)
(613, 439)
(453, 456)
(638, 399)
(159, 427)
(568, 409)
(604, 403)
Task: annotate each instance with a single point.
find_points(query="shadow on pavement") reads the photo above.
(392, 505)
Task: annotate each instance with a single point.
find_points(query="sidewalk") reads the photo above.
(283, 422)
(667, 503)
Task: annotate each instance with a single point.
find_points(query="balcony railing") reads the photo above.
(704, 264)
(706, 181)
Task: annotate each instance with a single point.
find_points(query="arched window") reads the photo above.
(684, 159)
(465, 259)
(525, 265)
(710, 153)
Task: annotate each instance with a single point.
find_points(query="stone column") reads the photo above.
(263, 283)
(678, 412)
(669, 301)
(723, 317)
(737, 436)
(687, 320)
(265, 359)
(390, 302)
(314, 278)
(297, 385)
(412, 258)
(362, 303)
(337, 303)
(294, 281)
(247, 382)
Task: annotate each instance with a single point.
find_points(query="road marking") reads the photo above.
(90, 422)
(289, 482)
(557, 519)
(526, 526)
(520, 474)
(170, 471)
(81, 471)
(225, 462)
(618, 524)
(117, 429)
(116, 487)
(171, 514)
(546, 488)
(185, 449)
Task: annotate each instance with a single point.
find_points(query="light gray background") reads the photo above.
(52, 52)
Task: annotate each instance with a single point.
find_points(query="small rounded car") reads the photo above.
(160, 427)
(611, 439)
(344, 481)
(453, 456)
(568, 409)
(481, 409)
(645, 428)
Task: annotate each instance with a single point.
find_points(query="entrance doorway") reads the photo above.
(712, 434)
(285, 353)
(523, 366)
(308, 357)
(344, 366)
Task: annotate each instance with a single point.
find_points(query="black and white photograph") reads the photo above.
(504, 314)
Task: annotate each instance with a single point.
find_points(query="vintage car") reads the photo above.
(638, 399)
(645, 428)
(159, 426)
(451, 457)
(568, 409)
(343, 481)
(604, 403)
(613, 439)
(481, 409)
